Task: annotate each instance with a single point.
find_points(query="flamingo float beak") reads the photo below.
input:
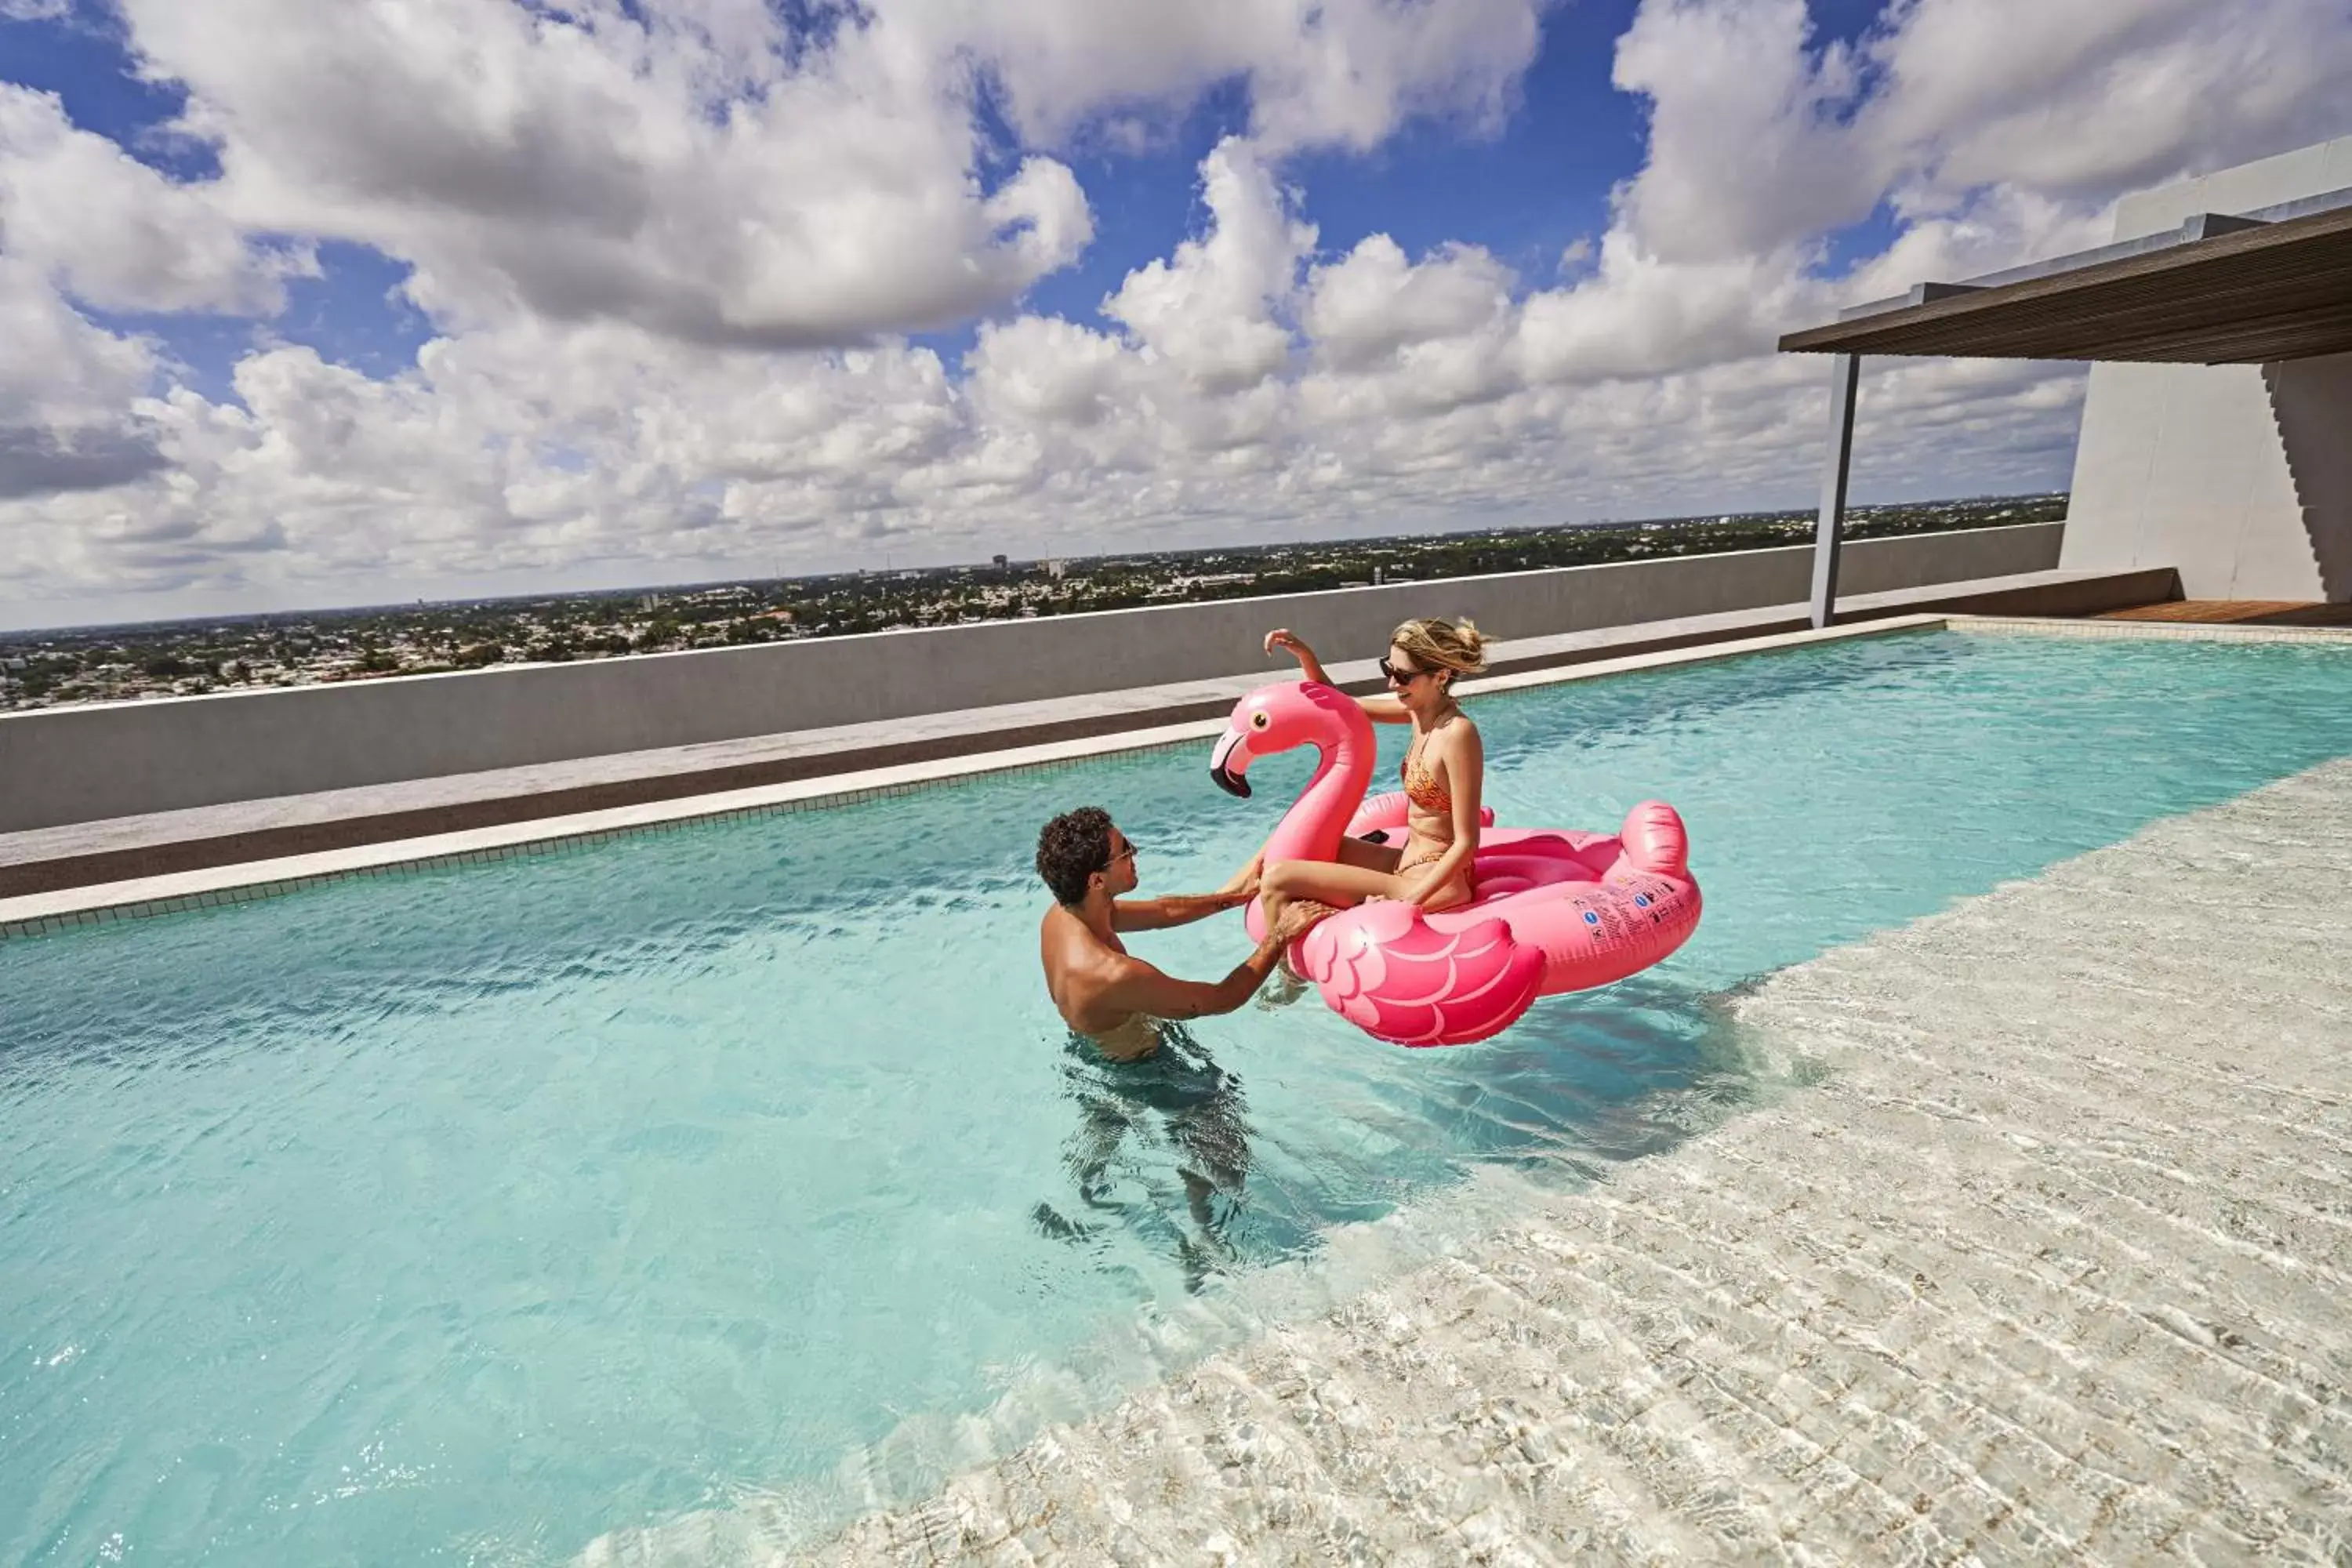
(1229, 765)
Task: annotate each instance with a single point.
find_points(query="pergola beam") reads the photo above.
(2221, 288)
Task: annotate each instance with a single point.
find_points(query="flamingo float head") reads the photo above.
(1277, 718)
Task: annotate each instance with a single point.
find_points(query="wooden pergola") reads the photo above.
(2222, 288)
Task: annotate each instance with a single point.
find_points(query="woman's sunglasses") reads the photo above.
(1396, 676)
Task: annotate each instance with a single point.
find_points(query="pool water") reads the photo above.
(472, 1215)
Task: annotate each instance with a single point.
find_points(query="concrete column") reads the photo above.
(1845, 371)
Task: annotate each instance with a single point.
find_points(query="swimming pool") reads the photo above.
(476, 1214)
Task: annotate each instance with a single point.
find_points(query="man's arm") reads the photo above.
(1180, 909)
(1140, 988)
(1156, 914)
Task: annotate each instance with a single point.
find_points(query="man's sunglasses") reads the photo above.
(1120, 855)
(1396, 676)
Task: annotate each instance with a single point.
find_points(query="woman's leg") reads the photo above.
(1325, 882)
(1352, 852)
(1456, 891)
(1454, 894)
(1372, 856)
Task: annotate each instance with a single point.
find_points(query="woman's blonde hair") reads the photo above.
(1434, 643)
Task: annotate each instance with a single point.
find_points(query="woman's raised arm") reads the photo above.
(1381, 710)
(1282, 639)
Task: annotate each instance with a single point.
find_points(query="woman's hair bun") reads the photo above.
(1458, 645)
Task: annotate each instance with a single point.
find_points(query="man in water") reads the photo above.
(1104, 991)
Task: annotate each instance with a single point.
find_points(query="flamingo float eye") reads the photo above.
(1259, 720)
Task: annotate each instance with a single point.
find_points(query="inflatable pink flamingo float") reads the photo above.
(1555, 911)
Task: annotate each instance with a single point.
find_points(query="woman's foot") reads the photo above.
(1283, 987)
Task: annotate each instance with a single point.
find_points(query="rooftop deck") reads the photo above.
(2050, 1266)
(2237, 612)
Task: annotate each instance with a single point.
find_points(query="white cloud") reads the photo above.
(699, 169)
(1210, 307)
(1320, 72)
(1746, 155)
(116, 232)
(2088, 100)
(59, 370)
(678, 172)
(1638, 316)
(1372, 305)
(1761, 138)
(68, 394)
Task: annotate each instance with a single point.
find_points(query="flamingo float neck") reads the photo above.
(1329, 720)
(1345, 755)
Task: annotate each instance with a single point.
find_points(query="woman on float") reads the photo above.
(1444, 771)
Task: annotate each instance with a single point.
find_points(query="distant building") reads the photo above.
(997, 561)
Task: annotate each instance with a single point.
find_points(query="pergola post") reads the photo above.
(1845, 371)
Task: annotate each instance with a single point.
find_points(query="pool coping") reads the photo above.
(43, 913)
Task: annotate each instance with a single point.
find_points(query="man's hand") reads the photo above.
(1298, 918)
(1242, 886)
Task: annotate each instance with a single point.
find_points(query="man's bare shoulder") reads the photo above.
(1078, 962)
(1061, 931)
(1064, 934)
(1083, 972)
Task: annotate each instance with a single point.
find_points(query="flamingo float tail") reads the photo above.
(1655, 839)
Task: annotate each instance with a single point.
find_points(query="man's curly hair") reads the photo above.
(1073, 848)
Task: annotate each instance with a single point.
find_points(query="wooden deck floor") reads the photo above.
(2239, 611)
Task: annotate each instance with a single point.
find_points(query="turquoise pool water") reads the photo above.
(468, 1216)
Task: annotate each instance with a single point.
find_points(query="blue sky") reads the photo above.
(363, 302)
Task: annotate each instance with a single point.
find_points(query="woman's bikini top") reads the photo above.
(1421, 785)
(1421, 788)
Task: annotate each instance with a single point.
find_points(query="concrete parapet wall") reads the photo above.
(83, 764)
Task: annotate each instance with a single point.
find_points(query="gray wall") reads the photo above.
(80, 764)
(2239, 475)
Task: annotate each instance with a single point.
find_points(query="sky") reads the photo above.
(308, 304)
